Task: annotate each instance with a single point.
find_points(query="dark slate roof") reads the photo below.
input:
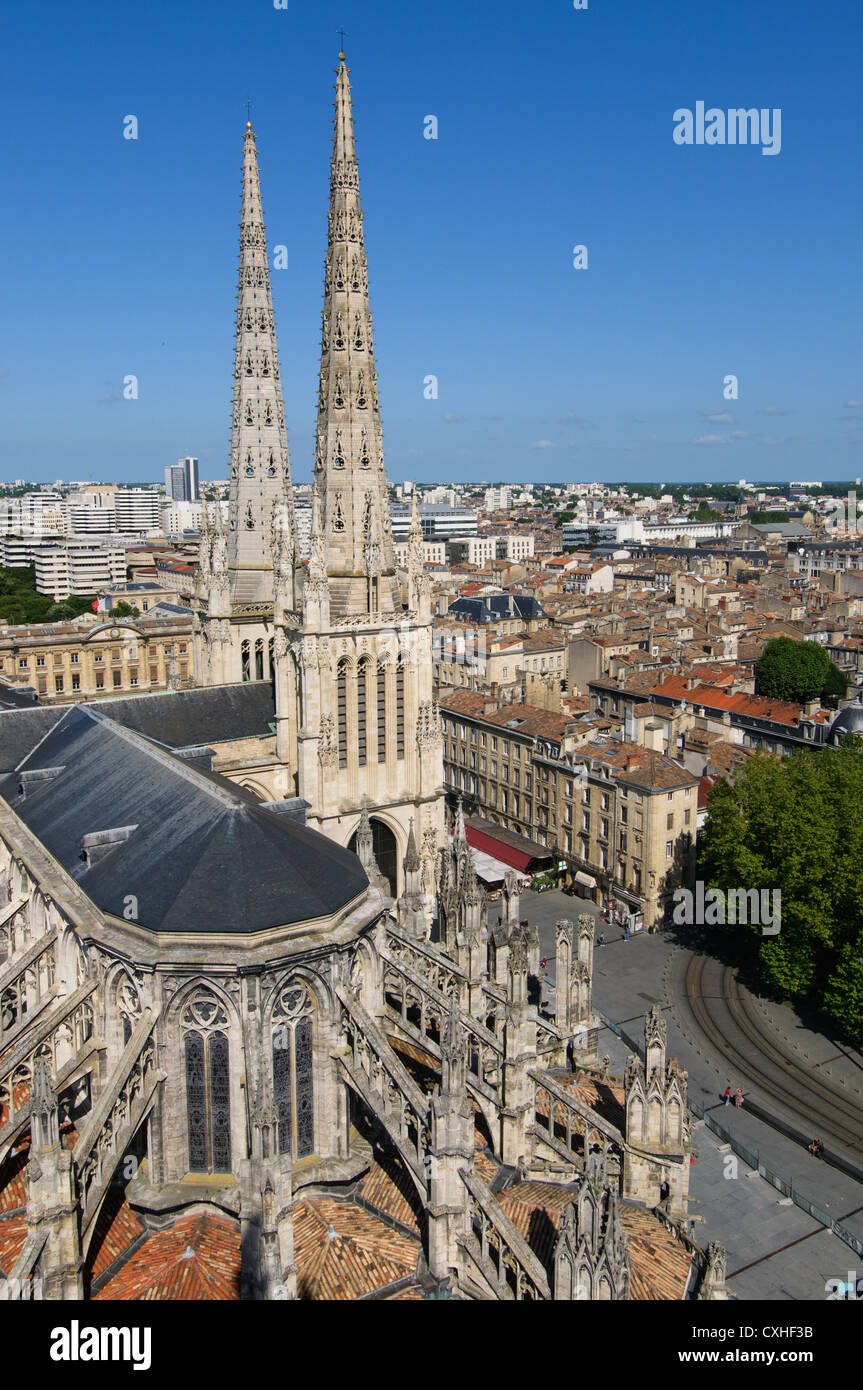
(204, 855)
(848, 721)
(176, 718)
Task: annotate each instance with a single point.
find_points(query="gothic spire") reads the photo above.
(349, 465)
(260, 467)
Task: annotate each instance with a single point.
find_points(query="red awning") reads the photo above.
(498, 849)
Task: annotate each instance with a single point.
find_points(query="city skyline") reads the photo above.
(614, 371)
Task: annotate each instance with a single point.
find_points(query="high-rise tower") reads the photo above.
(238, 569)
(355, 713)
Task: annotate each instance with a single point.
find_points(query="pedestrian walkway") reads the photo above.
(631, 976)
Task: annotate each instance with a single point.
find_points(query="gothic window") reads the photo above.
(293, 1071)
(250, 418)
(248, 318)
(338, 515)
(340, 453)
(262, 321)
(400, 712)
(270, 647)
(250, 520)
(356, 274)
(244, 658)
(196, 1103)
(250, 467)
(271, 467)
(339, 339)
(268, 414)
(250, 371)
(208, 1094)
(359, 342)
(367, 514)
(265, 365)
(342, 711)
(339, 277)
(382, 714)
(364, 450)
(340, 395)
(364, 691)
(259, 659)
(362, 398)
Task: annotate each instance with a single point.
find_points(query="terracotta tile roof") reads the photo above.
(344, 1252)
(196, 1258)
(13, 1233)
(659, 1263)
(116, 1227)
(389, 1189)
(13, 1190)
(532, 720)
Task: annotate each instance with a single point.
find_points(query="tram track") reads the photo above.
(722, 1013)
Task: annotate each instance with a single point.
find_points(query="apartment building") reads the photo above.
(78, 567)
(621, 819)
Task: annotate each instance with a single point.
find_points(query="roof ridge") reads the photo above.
(159, 754)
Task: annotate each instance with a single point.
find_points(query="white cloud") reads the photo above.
(712, 439)
(454, 419)
(854, 405)
(544, 444)
(716, 416)
(776, 410)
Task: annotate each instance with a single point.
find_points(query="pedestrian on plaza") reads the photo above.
(626, 932)
(727, 1095)
(738, 1097)
(543, 963)
(601, 941)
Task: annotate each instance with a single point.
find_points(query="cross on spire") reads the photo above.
(249, 112)
(341, 43)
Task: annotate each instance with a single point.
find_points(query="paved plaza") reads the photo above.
(775, 1249)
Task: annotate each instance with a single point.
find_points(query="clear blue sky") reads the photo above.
(555, 129)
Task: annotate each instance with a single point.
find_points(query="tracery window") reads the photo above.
(208, 1087)
(342, 711)
(259, 659)
(400, 712)
(244, 659)
(293, 1071)
(382, 713)
(364, 690)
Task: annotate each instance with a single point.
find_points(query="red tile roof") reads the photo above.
(344, 1252)
(196, 1258)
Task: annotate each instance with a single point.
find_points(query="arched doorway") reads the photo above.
(385, 851)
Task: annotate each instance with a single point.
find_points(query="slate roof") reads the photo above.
(204, 854)
(177, 718)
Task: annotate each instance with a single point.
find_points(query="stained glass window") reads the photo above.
(196, 1103)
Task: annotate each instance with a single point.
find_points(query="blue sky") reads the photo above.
(555, 129)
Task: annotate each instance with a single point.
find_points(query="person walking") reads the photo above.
(601, 941)
(738, 1097)
(626, 932)
(727, 1095)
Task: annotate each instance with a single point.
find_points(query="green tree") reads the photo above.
(124, 610)
(791, 824)
(790, 670)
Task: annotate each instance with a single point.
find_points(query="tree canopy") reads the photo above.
(798, 671)
(794, 824)
(20, 601)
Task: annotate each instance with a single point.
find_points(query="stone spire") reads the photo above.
(349, 465)
(260, 468)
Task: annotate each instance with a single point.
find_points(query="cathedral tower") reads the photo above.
(240, 568)
(354, 692)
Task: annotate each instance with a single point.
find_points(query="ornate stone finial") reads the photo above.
(412, 859)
